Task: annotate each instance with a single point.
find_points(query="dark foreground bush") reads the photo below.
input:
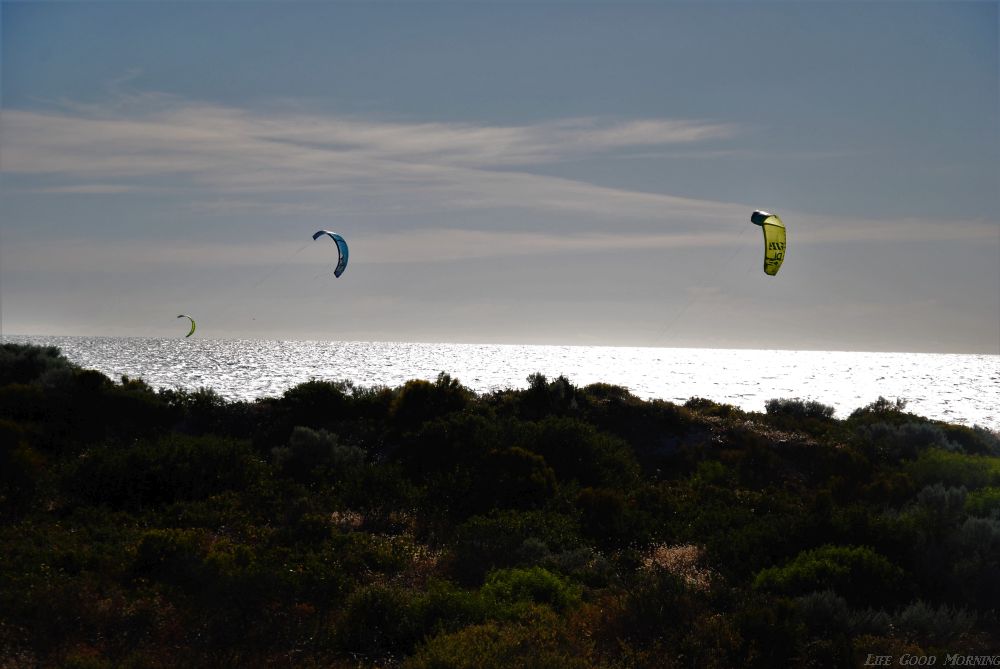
(426, 526)
(154, 473)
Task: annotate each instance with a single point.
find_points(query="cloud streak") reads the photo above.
(222, 160)
(155, 142)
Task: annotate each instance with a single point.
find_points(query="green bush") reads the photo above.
(881, 409)
(608, 519)
(152, 473)
(544, 398)
(172, 556)
(658, 606)
(317, 402)
(983, 502)
(939, 625)
(576, 451)
(507, 539)
(383, 621)
(442, 445)
(707, 407)
(315, 455)
(515, 478)
(825, 613)
(377, 623)
(540, 643)
(28, 363)
(973, 440)
(975, 563)
(420, 401)
(955, 469)
(857, 573)
(536, 585)
(902, 441)
(796, 408)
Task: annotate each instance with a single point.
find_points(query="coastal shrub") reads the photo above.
(975, 440)
(607, 519)
(825, 613)
(314, 455)
(708, 407)
(902, 441)
(133, 410)
(983, 502)
(608, 393)
(654, 429)
(881, 410)
(514, 478)
(201, 410)
(539, 642)
(23, 402)
(444, 444)
(955, 469)
(657, 606)
(712, 473)
(942, 505)
(316, 403)
(760, 466)
(371, 403)
(20, 468)
(857, 573)
(28, 363)
(583, 565)
(771, 629)
(939, 625)
(547, 398)
(979, 535)
(385, 622)
(160, 471)
(799, 415)
(890, 487)
(869, 621)
(420, 401)
(576, 451)
(797, 408)
(173, 556)
(975, 563)
(507, 587)
(377, 623)
(442, 606)
(379, 492)
(508, 538)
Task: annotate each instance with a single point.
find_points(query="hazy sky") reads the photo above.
(566, 173)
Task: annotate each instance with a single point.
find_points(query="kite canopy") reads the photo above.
(341, 250)
(774, 240)
(192, 324)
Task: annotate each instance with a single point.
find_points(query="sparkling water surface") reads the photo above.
(957, 388)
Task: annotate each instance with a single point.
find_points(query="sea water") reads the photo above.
(957, 388)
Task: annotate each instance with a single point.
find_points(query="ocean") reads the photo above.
(957, 388)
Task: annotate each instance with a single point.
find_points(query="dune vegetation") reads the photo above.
(427, 526)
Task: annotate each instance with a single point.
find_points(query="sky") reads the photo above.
(577, 173)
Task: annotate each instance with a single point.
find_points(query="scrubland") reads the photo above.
(427, 526)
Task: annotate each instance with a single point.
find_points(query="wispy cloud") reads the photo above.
(92, 189)
(148, 141)
(226, 160)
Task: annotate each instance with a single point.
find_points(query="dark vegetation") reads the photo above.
(427, 526)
